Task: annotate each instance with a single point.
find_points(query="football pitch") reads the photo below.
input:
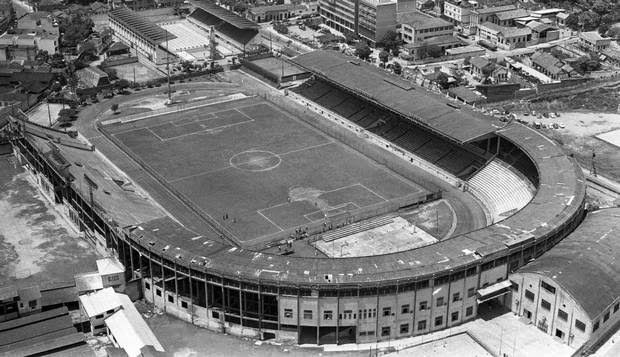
(255, 169)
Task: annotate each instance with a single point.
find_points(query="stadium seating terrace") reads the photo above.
(148, 30)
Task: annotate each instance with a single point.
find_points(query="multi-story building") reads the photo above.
(593, 41)
(506, 38)
(98, 306)
(573, 291)
(281, 12)
(16, 302)
(480, 16)
(148, 39)
(417, 26)
(369, 19)
(459, 11)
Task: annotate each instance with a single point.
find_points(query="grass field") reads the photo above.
(255, 169)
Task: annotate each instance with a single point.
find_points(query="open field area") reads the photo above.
(40, 115)
(396, 235)
(456, 345)
(142, 72)
(612, 137)
(256, 170)
(36, 243)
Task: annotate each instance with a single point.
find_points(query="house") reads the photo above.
(560, 19)
(507, 18)
(459, 11)
(16, 302)
(478, 66)
(506, 38)
(127, 330)
(112, 273)
(98, 306)
(420, 49)
(116, 49)
(417, 26)
(91, 77)
(593, 41)
(551, 66)
(542, 32)
(612, 55)
(487, 14)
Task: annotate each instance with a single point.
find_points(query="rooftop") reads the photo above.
(130, 330)
(419, 20)
(99, 302)
(107, 266)
(143, 27)
(592, 36)
(496, 9)
(507, 31)
(223, 14)
(240, 33)
(427, 109)
(436, 40)
(512, 14)
(586, 264)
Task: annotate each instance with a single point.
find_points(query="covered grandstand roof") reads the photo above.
(586, 263)
(241, 35)
(228, 16)
(140, 25)
(423, 107)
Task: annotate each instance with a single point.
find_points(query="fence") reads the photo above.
(337, 221)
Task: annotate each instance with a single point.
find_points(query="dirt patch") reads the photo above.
(36, 243)
(310, 195)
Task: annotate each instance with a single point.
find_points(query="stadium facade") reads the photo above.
(312, 300)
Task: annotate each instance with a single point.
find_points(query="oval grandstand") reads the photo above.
(320, 300)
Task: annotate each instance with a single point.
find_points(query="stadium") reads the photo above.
(238, 214)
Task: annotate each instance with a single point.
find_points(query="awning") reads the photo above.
(493, 291)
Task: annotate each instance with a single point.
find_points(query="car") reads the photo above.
(551, 115)
(557, 114)
(562, 126)
(526, 114)
(555, 126)
(545, 115)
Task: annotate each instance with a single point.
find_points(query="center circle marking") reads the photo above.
(255, 160)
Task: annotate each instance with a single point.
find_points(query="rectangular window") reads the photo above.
(347, 314)
(595, 326)
(109, 312)
(616, 307)
(440, 301)
(606, 317)
(545, 304)
(328, 315)
(471, 292)
(374, 312)
(365, 313)
(147, 286)
(529, 295)
(438, 321)
(170, 298)
(455, 316)
(32, 304)
(404, 309)
(562, 315)
(580, 326)
(113, 278)
(184, 304)
(469, 311)
(288, 313)
(547, 287)
(421, 325)
(387, 311)
(404, 328)
(385, 331)
(456, 297)
(100, 316)
(307, 314)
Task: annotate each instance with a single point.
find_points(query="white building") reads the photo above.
(112, 273)
(572, 292)
(98, 306)
(416, 27)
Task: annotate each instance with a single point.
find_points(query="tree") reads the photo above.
(434, 51)
(390, 42)
(114, 108)
(187, 66)
(88, 48)
(76, 28)
(397, 68)
(384, 56)
(467, 61)
(281, 28)
(57, 61)
(442, 80)
(42, 56)
(121, 85)
(487, 70)
(572, 21)
(362, 50)
(240, 7)
(589, 20)
(600, 7)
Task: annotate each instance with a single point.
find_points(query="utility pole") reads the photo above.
(168, 69)
(593, 167)
(49, 116)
